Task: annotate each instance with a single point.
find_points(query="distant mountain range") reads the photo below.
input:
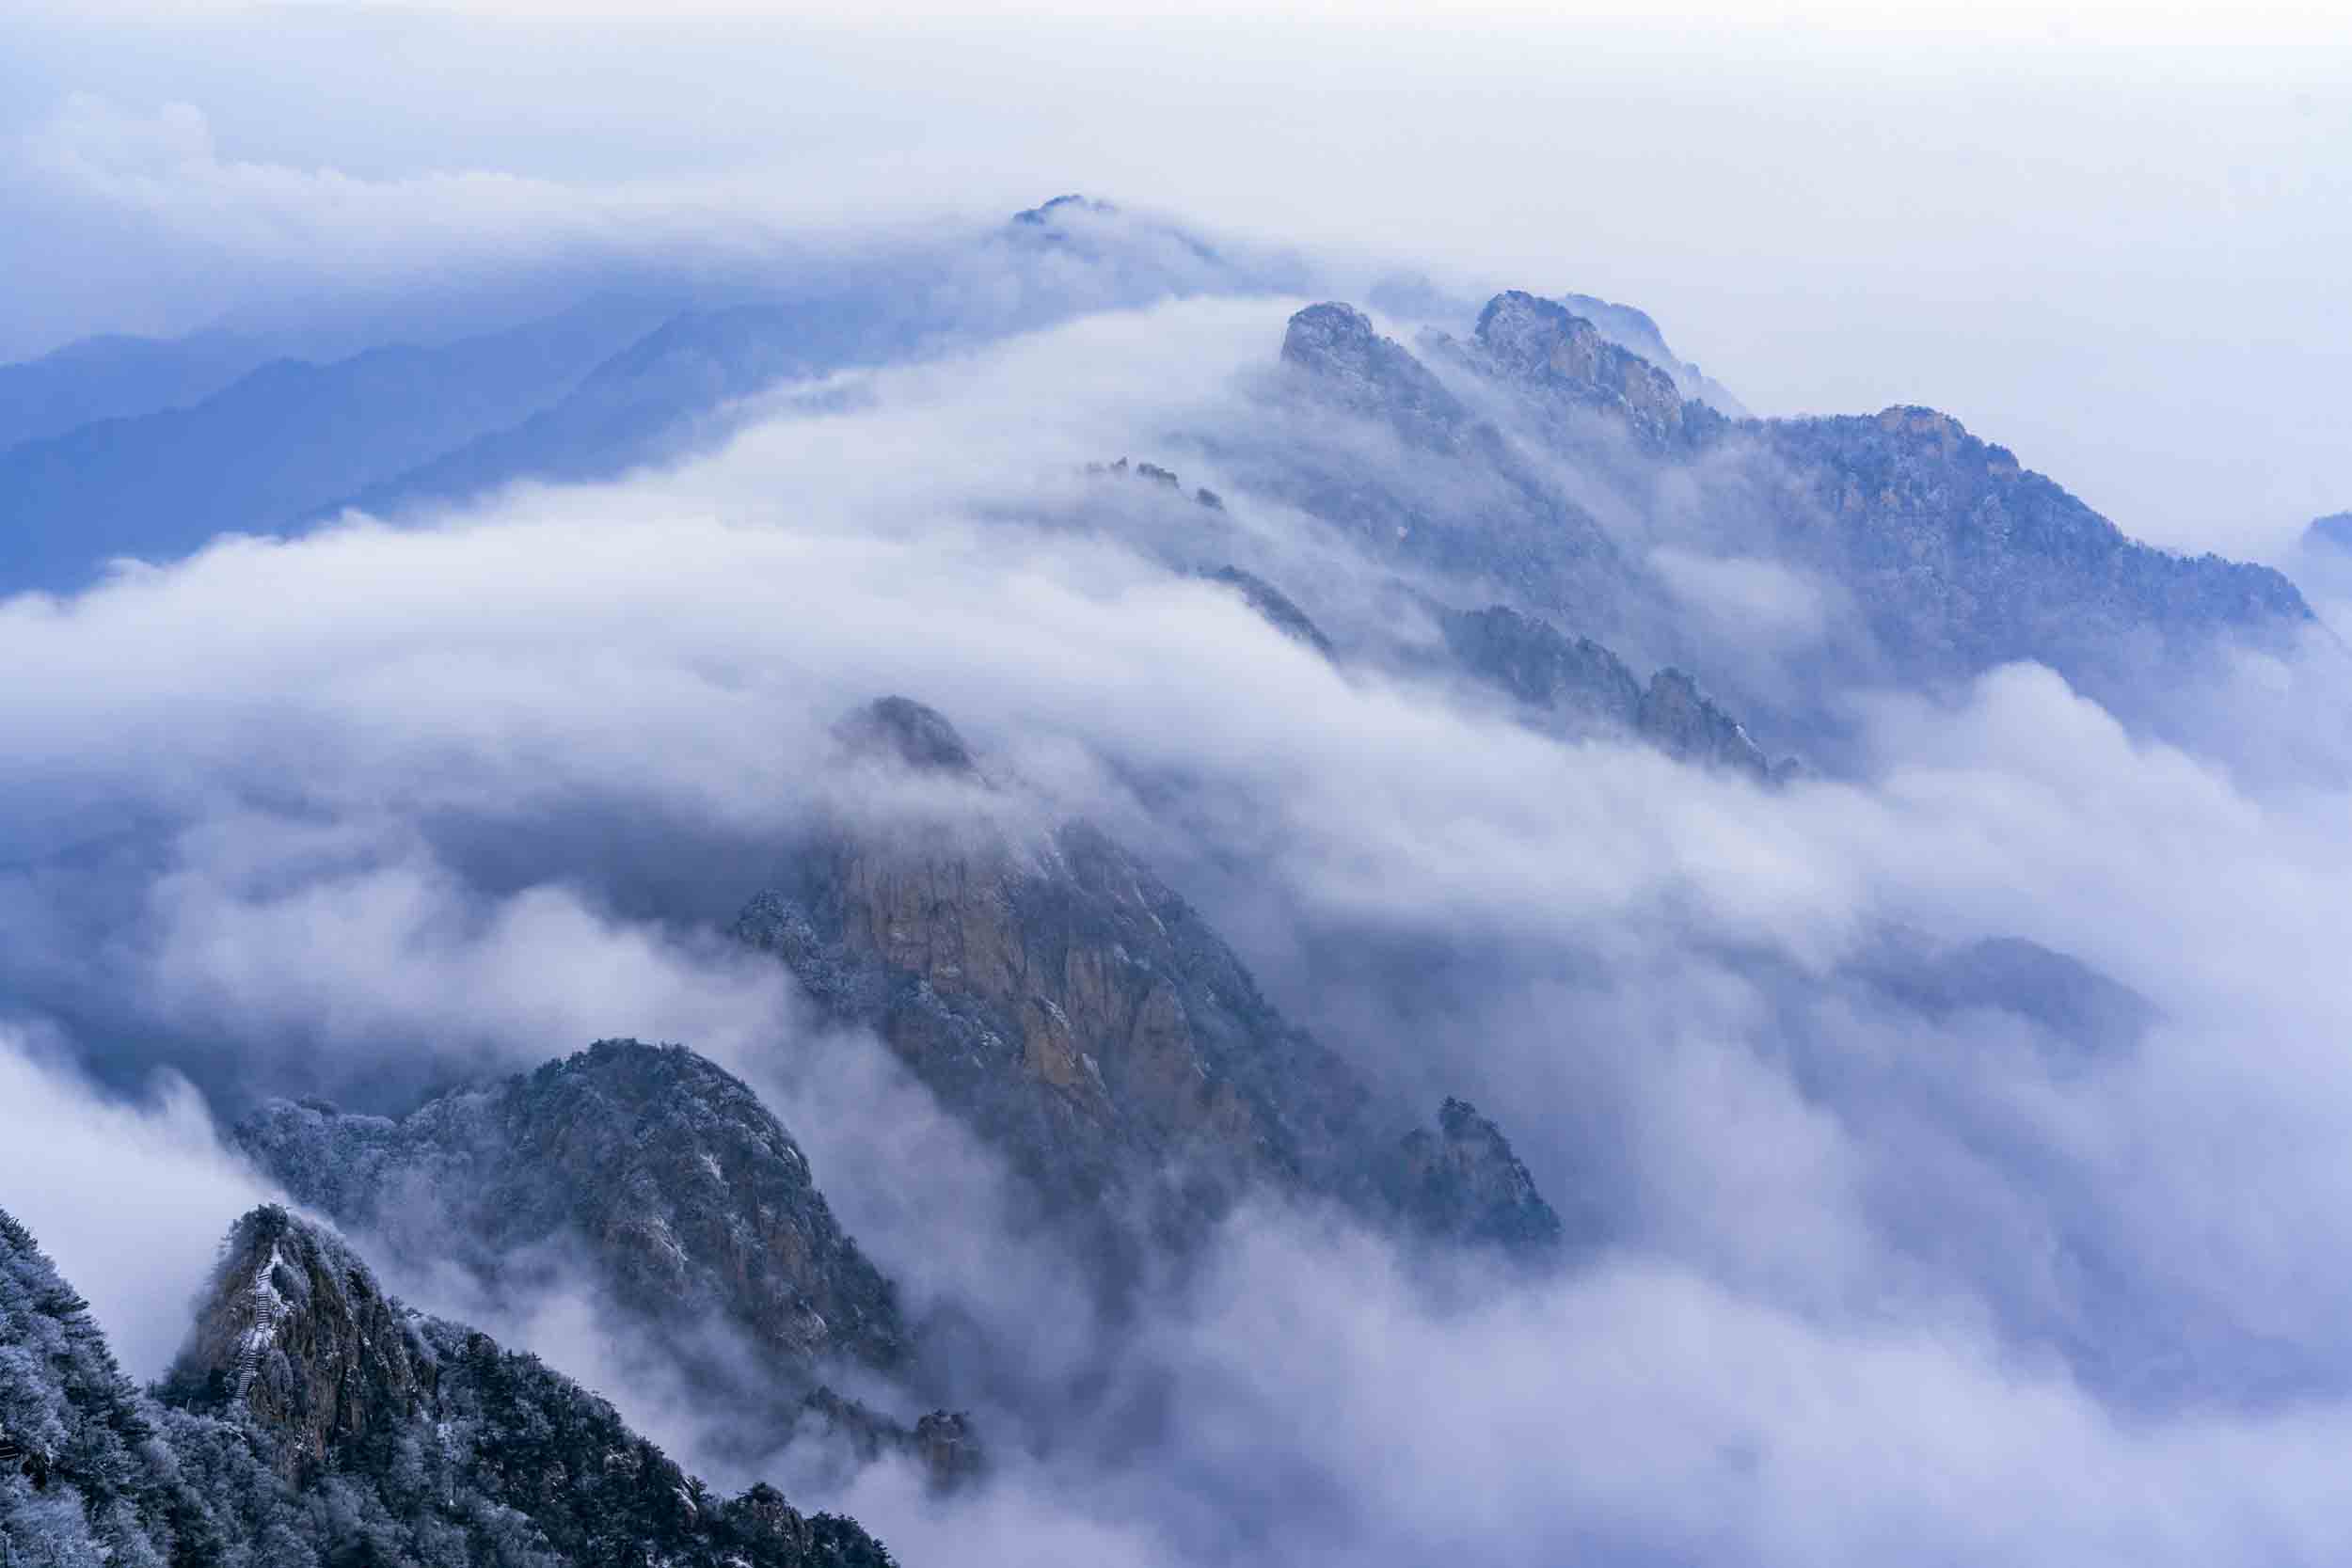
(1544, 516)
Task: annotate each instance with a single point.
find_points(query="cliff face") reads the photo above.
(1371, 440)
(1633, 330)
(1065, 999)
(1462, 1181)
(1564, 359)
(295, 1336)
(1077, 1013)
(1575, 686)
(686, 1196)
(313, 1422)
(1960, 559)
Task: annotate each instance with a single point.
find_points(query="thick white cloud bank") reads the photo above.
(389, 804)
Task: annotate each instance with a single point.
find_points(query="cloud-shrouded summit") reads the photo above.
(816, 875)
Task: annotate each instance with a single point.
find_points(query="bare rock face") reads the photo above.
(684, 1195)
(1353, 365)
(1065, 997)
(311, 1418)
(1540, 344)
(1575, 682)
(1634, 331)
(1574, 685)
(1083, 1017)
(295, 1336)
(1462, 1182)
(1961, 559)
(1956, 558)
(1685, 723)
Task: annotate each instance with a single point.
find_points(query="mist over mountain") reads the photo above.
(1076, 885)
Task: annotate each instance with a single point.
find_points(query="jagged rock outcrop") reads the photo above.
(1684, 723)
(1459, 497)
(1063, 997)
(1576, 686)
(1352, 365)
(1462, 1182)
(1079, 1014)
(660, 1178)
(1955, 558)
(1152, 473)
(295, 1336)
(1961, 559)
(313, 1422)
(1574, 681)
(1277, 607)
(1566, 360)
(683, 1196)
(1633, 330)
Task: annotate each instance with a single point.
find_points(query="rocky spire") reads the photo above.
(294, 1334)
(901, 729)
(1353, 365)
(1539, 343)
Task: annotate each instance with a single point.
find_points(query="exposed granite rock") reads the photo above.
(1461, 499)
(1153, 473)
(690, 1199)
(314, 1423)
(1462, 1182)
(1353, 365)
(1082, 1017)
(1634, 331)
(1958, 559)
(294, 1335)
(1685, 723)
(427, 1441)
(1579, 687)
(1575, 682)
(1064, 997)
(1275, 606)
(1961, 559)
(1561, 356)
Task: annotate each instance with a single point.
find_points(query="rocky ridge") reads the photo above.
(684, 1201)
(1960, 557)
(314, 1423)
(1085, 1020)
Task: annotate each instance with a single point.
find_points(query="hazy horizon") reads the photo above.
(2115, 246)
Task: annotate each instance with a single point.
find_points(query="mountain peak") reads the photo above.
(1463, 1182)
(295, 1330)
(1353, 365)
(1542, 342)
(1069, 201)
(906, 731)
